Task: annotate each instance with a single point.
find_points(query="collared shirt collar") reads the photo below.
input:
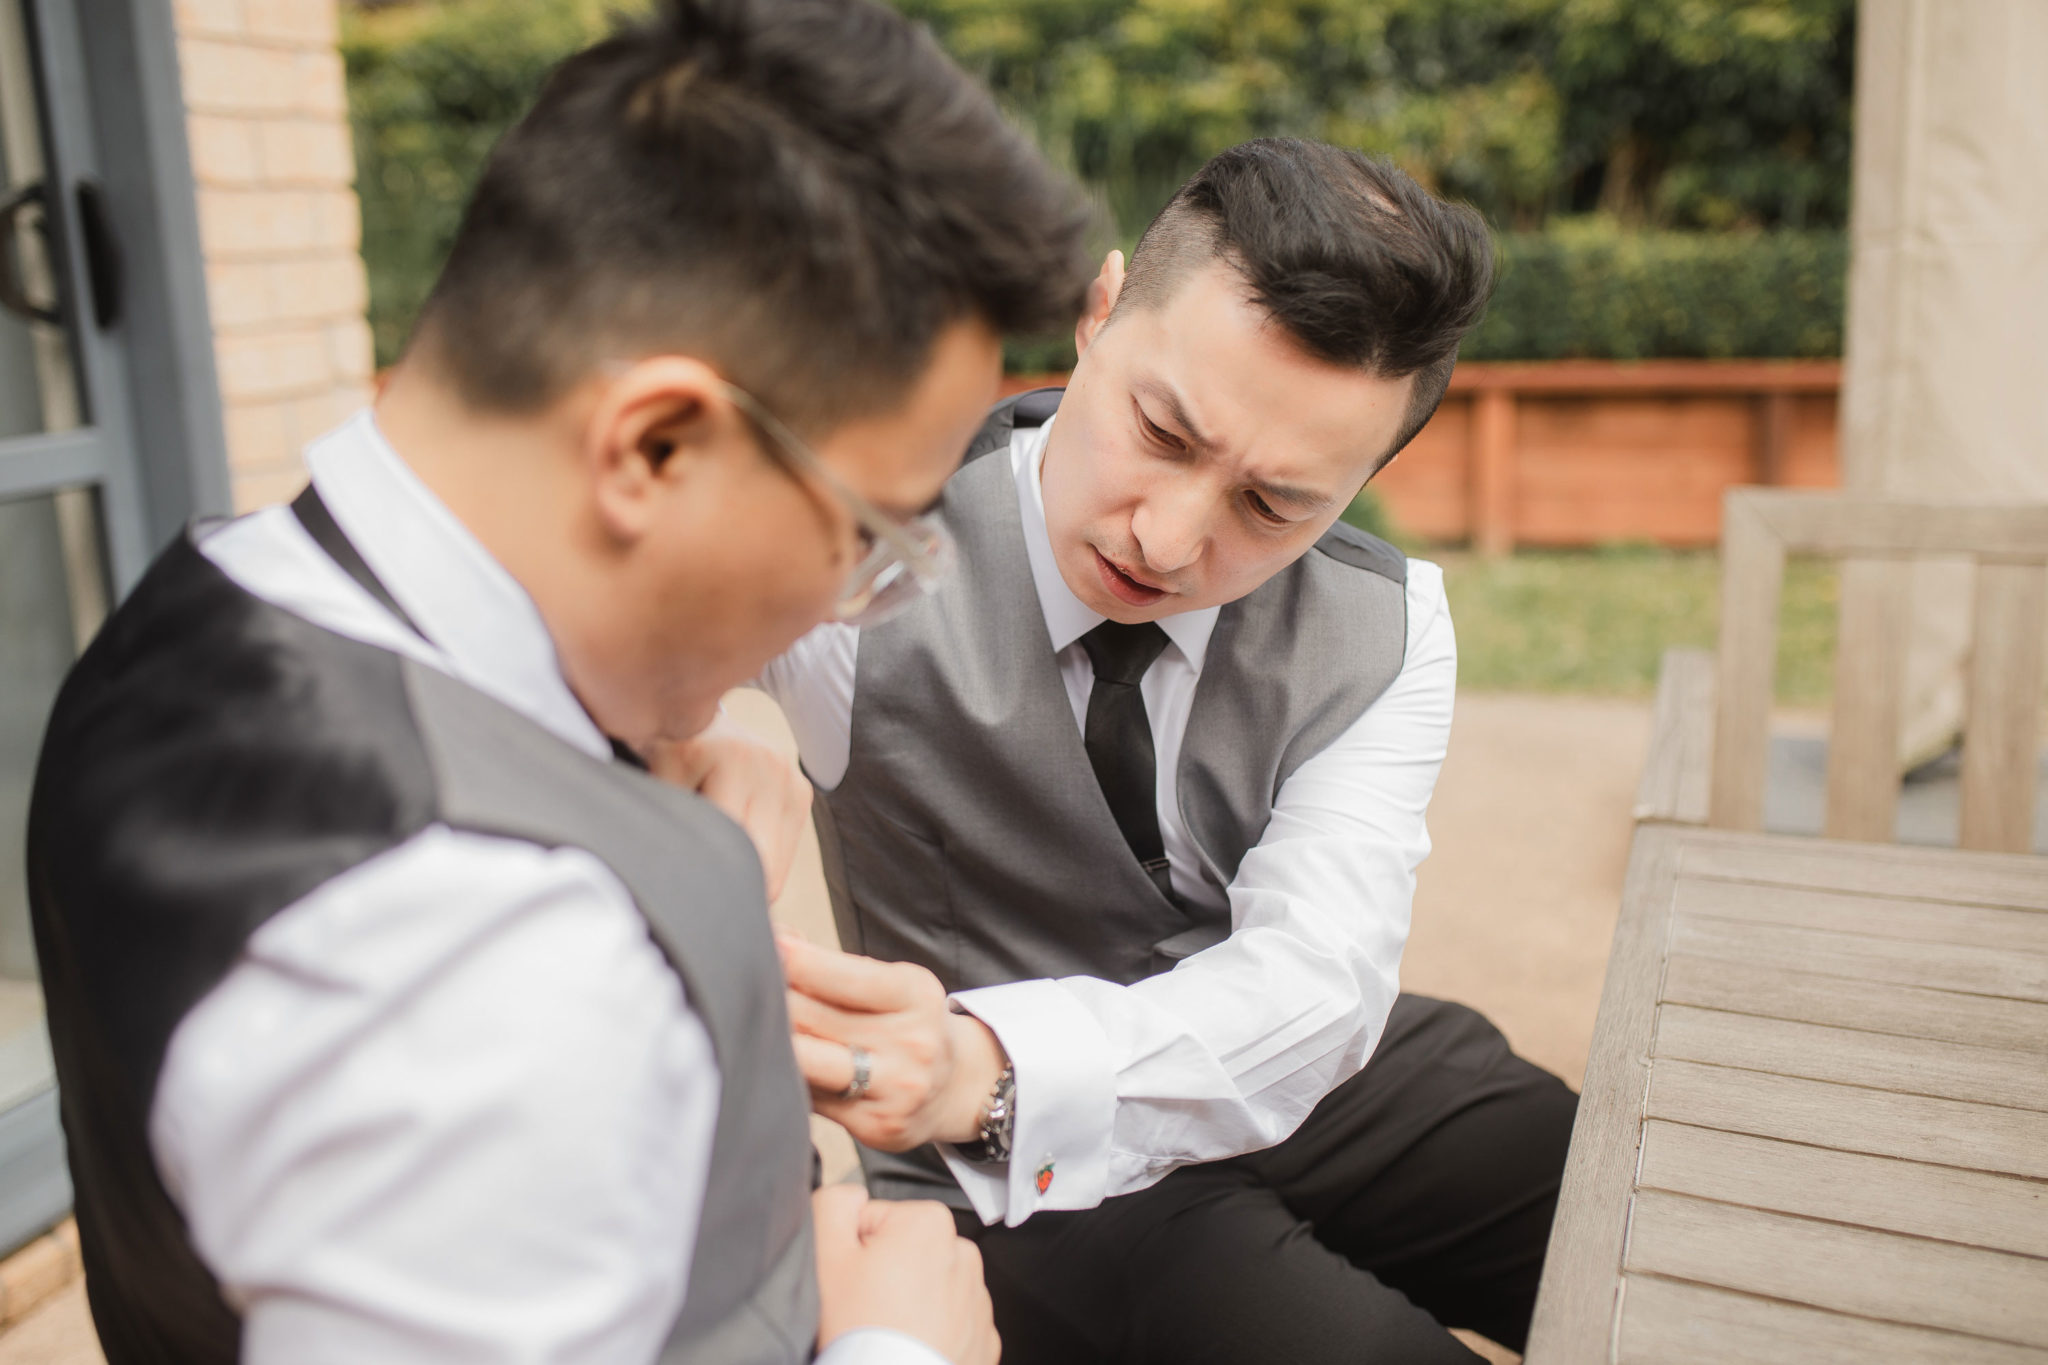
(1067, 619)
(469, 607)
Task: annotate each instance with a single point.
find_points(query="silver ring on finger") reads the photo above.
(863, 1067)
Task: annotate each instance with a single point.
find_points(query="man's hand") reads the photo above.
(931, 1069)
(904, 1267)
(745, 777)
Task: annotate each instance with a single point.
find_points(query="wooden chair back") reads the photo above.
(1876, 540)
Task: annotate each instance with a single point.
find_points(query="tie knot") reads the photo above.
(1122, 653)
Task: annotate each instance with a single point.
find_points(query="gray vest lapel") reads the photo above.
(1289, 668)
(753, 1288)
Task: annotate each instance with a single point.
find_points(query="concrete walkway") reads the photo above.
(1513, 914)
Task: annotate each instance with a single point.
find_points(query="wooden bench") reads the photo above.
(1815, 1121)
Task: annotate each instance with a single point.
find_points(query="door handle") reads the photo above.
(13, 293)
(104, 266)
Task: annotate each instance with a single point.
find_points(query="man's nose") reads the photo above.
(1171, 527)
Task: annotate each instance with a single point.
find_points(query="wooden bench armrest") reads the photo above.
(1678, 774)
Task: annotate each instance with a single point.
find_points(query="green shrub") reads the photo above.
(1368, 512)
(430, 88)
(1588, 288)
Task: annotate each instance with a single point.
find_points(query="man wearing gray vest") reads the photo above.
(1121, 828)
(399, 1017)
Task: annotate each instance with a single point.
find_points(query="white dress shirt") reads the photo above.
(454, 1104)
(1228, 1052)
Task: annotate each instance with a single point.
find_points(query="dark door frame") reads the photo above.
(114, 121)
(113, 128)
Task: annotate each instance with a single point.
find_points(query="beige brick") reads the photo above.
(310, 22)
(241, 295)
(305, 151)
(256, 488)
(240, 224)
(314, 417)
(241, 78)
(332, 284)
(208, 16)
(224, 149)
(352, 350)
(260, 435)
(273, 364)
(337, 219)
(323, 85)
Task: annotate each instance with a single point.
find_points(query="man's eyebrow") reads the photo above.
(1307, 499)
(1175, 409)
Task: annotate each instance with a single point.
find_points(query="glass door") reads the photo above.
(70, 519)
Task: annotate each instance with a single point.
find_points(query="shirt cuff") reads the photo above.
(879, 1346)
(1066, 1103)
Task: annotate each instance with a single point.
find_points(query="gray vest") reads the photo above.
(753, 1291)
(211, 760)
(969, 834)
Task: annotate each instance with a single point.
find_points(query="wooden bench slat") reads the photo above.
(1970, 1207)
(1842, 524)
(2001, 735)
(1668, 1322)
(1923, 921)
(1752, 578)
(1881, 1061)
(1863, 737)
(1881, 1007)
(1575, 1302)
(1977, 1137)
(1942, 966)
(1675, 775)
(2006, 880)
(1853, 1270)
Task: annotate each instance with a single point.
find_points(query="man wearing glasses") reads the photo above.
(398, 1016)
(1121, 826)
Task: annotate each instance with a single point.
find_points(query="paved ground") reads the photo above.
(1513, 916)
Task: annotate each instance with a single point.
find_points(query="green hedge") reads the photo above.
(431, 86)
(1589, 288)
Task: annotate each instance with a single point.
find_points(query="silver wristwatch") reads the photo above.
(998, 1121)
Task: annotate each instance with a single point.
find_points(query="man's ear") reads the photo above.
(1103, 292)
(653, 423)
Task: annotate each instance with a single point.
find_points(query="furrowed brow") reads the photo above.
(1167, 398)
(1307, 500)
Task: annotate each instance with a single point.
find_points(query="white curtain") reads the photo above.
(1945, 391)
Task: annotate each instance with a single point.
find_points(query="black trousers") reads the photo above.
(1416, 1197)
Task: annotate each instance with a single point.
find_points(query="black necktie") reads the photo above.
(1119, 738)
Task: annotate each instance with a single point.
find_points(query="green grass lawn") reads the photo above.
(1598, 621)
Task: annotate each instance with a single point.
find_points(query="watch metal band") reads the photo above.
(998, 1122)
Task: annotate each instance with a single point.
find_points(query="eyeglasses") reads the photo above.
(907, 559)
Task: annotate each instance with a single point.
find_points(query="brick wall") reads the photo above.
(278, 222)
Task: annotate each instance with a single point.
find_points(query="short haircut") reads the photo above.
(1353, 259)
(803, 193)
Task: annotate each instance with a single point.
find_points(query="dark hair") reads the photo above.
(802, 192)
(1356, 261)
